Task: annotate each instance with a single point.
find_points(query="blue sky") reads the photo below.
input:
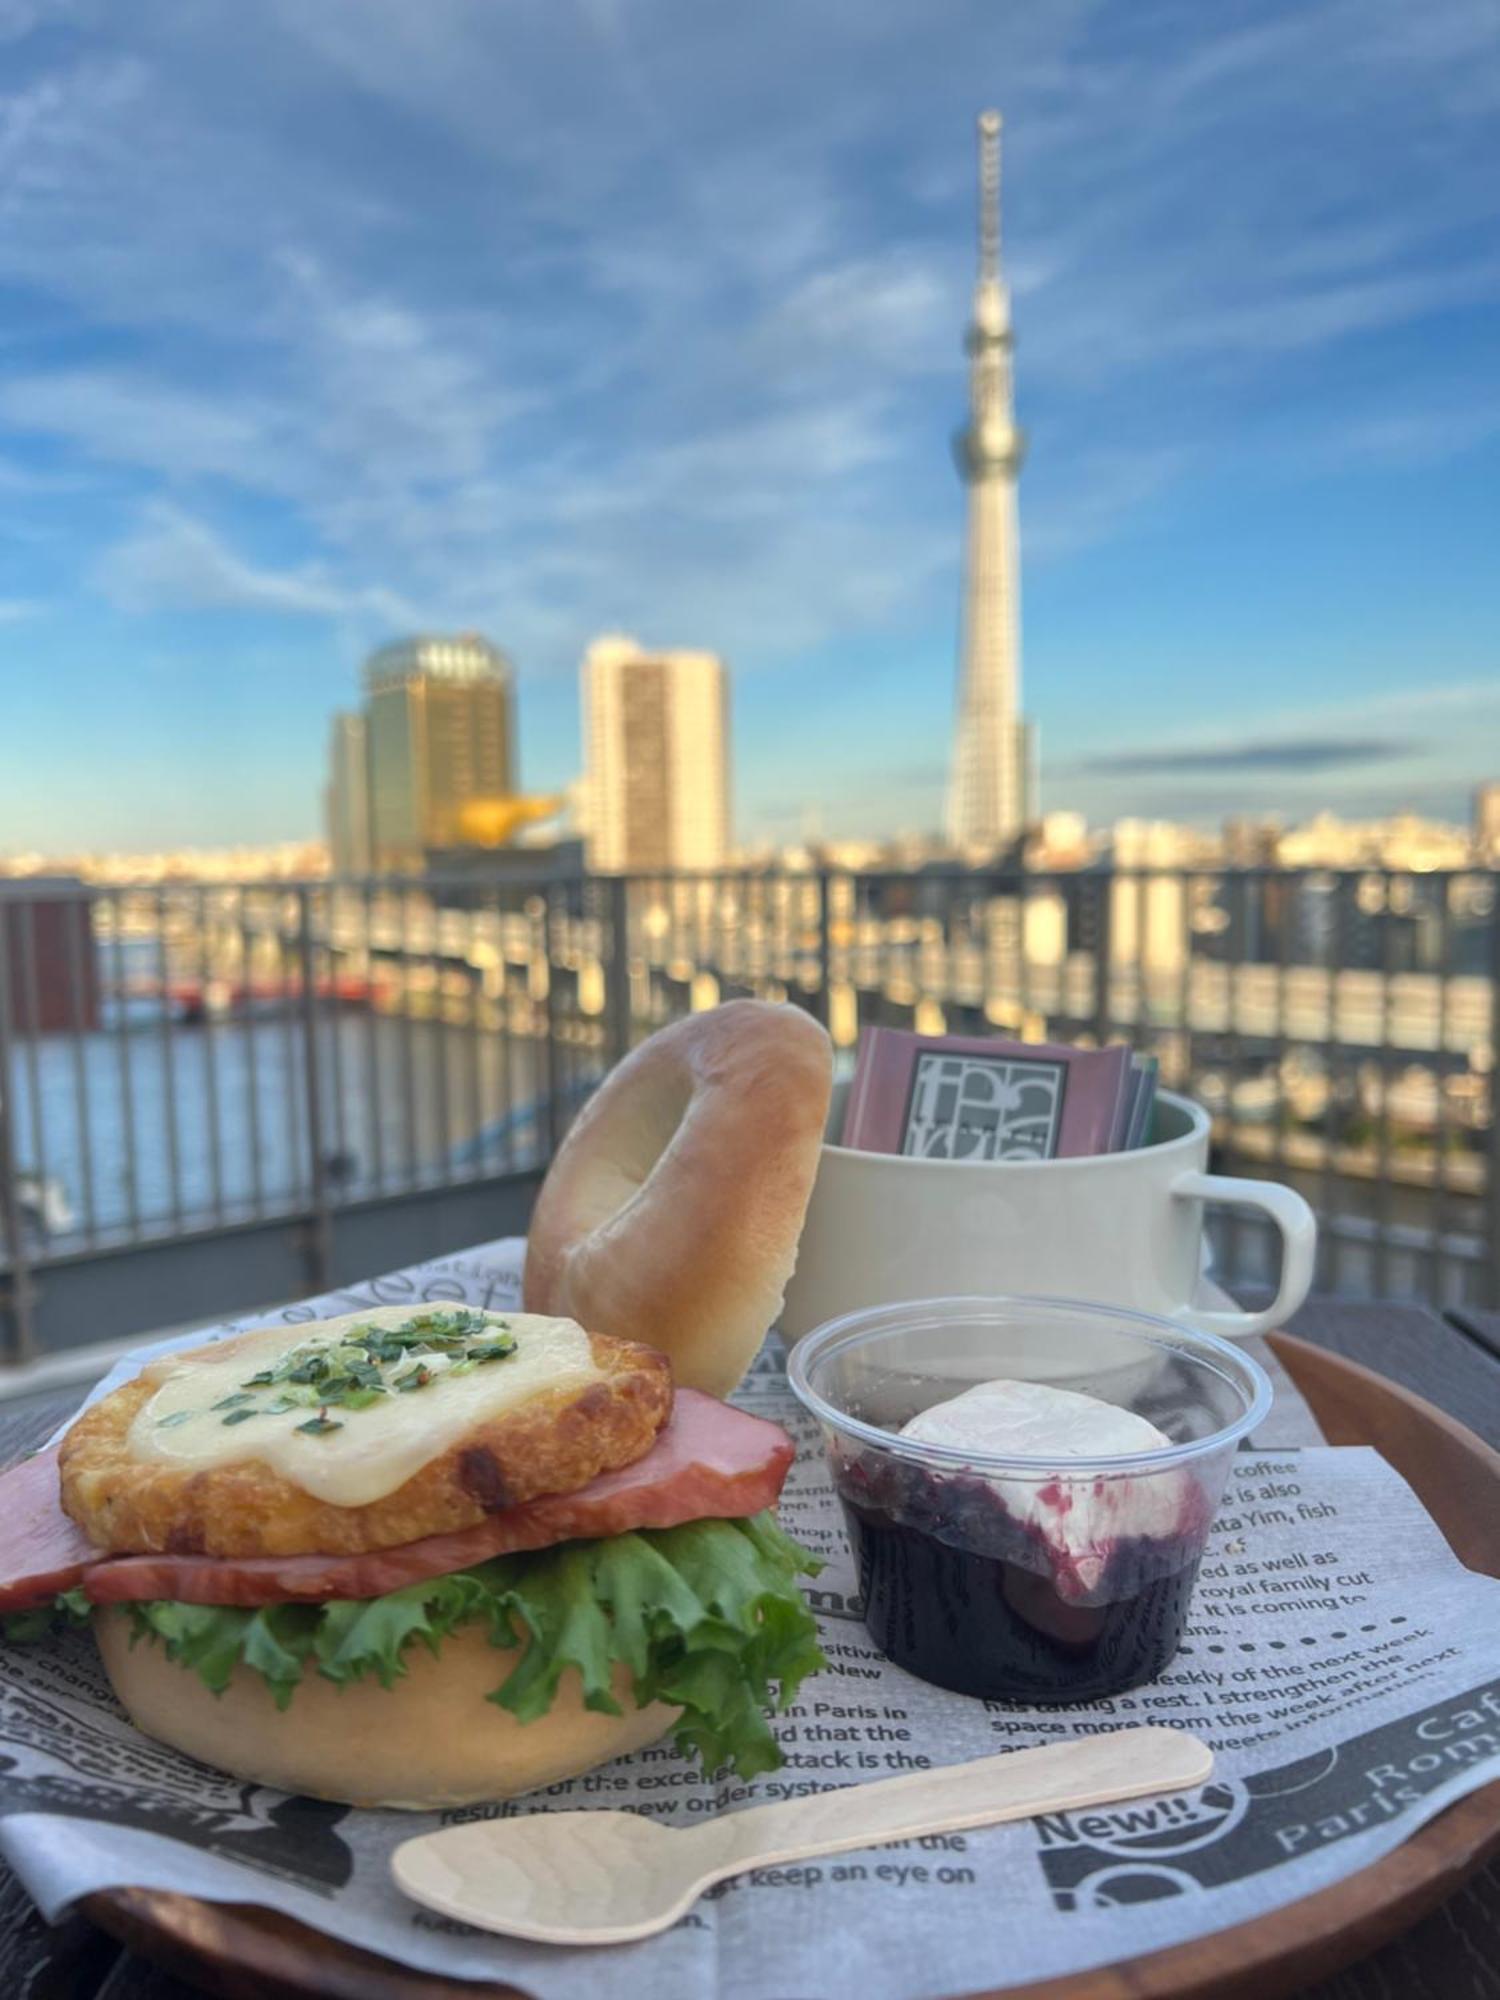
(325, 319)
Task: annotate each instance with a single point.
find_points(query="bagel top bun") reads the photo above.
(672, 1210)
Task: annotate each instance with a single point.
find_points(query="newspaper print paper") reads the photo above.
(1340, 1660)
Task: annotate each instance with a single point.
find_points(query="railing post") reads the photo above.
(1491, 1273)
(1103, 955)
(617, 991)
(322, 1222)
(824, 1008)
(552, 1068)
(15, 1279)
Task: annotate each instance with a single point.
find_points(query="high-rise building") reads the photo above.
(1251, 841)
(347, 796)
(656, 758)
(440, 717)
(1487, 821)
(988, 803)
(1151, 894)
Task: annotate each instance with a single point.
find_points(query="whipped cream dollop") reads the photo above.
(1033, 1420)
(1077, 1519)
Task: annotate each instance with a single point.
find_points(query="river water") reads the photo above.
(145, 1129)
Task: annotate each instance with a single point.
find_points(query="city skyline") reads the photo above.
(306, 349)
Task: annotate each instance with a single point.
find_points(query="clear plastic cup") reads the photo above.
(1039, 1578)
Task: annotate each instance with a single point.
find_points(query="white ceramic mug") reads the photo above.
(1123, 1229)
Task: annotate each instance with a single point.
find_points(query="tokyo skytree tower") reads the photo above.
(987, 801)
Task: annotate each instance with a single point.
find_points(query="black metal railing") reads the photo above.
(180, 1063)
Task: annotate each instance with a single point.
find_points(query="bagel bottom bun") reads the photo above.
(431, 1740)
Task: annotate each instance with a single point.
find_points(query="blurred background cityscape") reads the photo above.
(297, 984)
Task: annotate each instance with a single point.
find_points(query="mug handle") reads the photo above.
(1299, 1243)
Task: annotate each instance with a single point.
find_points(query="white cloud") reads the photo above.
(1242, 196)
(649, 323)
(175, 563)
(127, 418)
(1417, 761)
(1101, 493)
(1469, 696)
(890, 311)
(19, 17)
(1351, 716)
(1420, 436)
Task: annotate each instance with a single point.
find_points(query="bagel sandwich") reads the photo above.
(419, 1557)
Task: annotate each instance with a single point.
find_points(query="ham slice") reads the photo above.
(710, 1462)
(41, 1552)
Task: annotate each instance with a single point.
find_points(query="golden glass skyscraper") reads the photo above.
(440, 718)
(987, 799)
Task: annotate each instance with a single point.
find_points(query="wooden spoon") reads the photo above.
(607, 1877)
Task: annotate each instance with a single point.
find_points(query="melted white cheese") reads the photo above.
(375, 1449)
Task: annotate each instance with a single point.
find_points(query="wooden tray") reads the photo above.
(247, 1953)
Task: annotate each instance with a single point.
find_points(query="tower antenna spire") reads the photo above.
(989, 197)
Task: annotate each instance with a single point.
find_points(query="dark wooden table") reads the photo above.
(1452, 1955)
(1481, 1326)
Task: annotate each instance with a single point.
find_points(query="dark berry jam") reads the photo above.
(984, 1626)
(960, 1593)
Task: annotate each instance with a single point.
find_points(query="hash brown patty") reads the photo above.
(554, 1442)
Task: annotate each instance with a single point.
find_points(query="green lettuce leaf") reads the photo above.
(707, 1617)
(67, 1609)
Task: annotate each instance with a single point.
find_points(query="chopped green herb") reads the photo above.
(177, 1417)
(492, 1350)
(354, 1373)
(319, 1426)
(239, 1416)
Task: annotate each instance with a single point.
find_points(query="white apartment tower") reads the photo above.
(656, 758)
(988, 802)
